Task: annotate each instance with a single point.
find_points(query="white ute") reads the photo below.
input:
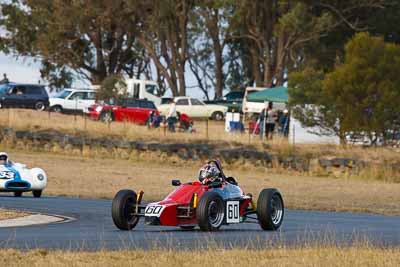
(195, 108)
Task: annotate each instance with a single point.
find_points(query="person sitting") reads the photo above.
(210, 173)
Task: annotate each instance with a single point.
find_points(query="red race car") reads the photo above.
(132, 110)
(209, 203)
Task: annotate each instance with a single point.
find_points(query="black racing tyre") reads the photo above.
(123, 207)
(187, 227)
(37, 193)
(217, 116)
(39, 105)
(57, 109)
(270, 209)
(210, 212)
(18, 194)
(106, 117)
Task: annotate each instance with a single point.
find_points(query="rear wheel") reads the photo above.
(17, 194)
(270, 209)
(37, 193)
(210, 211)
(217, 115)
(40, 105)
(123, 208)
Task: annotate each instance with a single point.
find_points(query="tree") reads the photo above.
(276, 32)
(164, 35)
(93, 38)
(359, 96)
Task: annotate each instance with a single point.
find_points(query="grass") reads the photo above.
(77, 176)
(363, 255)
(10, 214)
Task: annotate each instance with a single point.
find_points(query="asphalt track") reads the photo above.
(93, 229)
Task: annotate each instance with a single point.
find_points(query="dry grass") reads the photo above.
(102, 178)
(307, 256)
(34, 120)
(10, 214)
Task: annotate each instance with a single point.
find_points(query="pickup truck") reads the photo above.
(195, 108)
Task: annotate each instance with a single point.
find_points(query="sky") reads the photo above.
(26, 70)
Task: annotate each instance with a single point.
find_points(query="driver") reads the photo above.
(3, 158)
(210, 173)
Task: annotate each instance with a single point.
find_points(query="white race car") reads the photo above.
(17, 178)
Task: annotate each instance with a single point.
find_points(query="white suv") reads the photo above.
(72, 100)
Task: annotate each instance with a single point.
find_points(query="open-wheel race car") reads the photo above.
(209, 203)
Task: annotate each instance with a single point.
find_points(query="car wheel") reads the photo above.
(106, 117)
(17, 194)
(123, 207)
(210, 211)
(270, 209)
(218, 116)
(37, 193)
(57, 109)
(40, 105)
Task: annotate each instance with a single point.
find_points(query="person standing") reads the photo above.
(171, 118)
(262, 121)
(270, 121)
(5, 79)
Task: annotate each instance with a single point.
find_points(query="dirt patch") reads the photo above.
(11, 214)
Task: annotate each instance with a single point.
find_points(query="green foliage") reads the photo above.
(360, 96)
(112, 88)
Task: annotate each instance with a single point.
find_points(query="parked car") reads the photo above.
(233, 100)
(195, 108)
(72, 100)
(132, 110)
(16, 95)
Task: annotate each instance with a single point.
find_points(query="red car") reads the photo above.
(208, 203)
(132, 110)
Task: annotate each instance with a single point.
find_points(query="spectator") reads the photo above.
(5, 79)
(262, 120)
(284, 123)
(270, 121)
(171, 118)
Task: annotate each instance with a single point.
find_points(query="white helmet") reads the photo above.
(3, 158)
(209, 172)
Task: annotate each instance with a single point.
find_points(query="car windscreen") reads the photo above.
(63, 94)
(4, 88)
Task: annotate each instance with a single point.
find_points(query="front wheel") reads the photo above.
(123, 209)
(217, 115)
(210, 212)
(270, 209)
(40, 105)
(37, 193)
(57, 109)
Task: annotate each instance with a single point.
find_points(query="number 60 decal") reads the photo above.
(153, 211)
(232, 212)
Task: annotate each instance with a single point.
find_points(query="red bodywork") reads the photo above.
(174, 212)
(136, 115)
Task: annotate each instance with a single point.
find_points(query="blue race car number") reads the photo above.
(7, 175)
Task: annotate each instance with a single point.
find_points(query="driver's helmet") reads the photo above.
(3, 158)
(209, 173)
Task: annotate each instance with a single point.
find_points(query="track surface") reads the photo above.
(93, 229)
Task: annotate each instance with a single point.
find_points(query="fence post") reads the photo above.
(207, 129)
(293, 136)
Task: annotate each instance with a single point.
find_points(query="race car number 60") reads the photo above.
(232, 212)
(153, 210)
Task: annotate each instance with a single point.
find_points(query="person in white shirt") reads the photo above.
(270, 121)
(171, 117)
